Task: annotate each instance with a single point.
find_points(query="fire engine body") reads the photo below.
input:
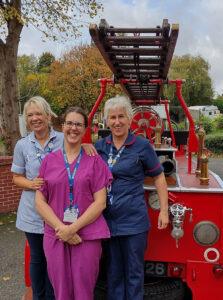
(189, 252)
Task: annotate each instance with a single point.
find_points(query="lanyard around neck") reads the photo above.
(41, 156)
(71, 176)
(112, 161)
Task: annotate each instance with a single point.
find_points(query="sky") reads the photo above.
(200, 29)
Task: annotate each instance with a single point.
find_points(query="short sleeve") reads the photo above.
(98, 146)
(42, 172)
(151, 164)
(102, 176)
(18, 164)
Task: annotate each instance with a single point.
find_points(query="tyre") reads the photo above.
(160, 289)
(164, 289)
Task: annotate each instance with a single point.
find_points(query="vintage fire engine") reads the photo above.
(184, 261)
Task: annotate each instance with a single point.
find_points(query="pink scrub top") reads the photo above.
(92, 175)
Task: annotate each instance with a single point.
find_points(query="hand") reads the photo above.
(36, 183)
(89, 149)
(163, 219)
(64, 232)
(75, 240)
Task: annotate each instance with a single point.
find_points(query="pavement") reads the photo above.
(12, 243)
(216, 165)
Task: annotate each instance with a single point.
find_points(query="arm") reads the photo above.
(46, 211)
(89, 216)
(161, 186)
(21, 181)
(50, 218)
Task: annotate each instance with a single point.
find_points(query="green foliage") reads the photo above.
(57, 19)
(218, 122)
(45, 61)
(207, 124)
(214, 143)
(182, 126)
(219, 103)
(197, 90)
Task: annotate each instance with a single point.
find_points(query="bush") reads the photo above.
(207, 124)
(218, 122)
(214, 143)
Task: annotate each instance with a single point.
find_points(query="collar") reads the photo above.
(34, 140)
(131, 138)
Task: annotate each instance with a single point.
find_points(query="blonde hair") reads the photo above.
(41, 103)
(118, 101)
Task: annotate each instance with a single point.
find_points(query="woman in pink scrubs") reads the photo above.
(71, 202)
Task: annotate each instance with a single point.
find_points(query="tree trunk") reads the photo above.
(9, 111)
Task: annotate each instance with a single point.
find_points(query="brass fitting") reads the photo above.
(204, 180)
(201, 136)
(157, 142)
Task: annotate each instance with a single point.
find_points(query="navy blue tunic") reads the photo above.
(128, 214)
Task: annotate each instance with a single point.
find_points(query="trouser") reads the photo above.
(41, 286)
(73, 270)
(126, 267)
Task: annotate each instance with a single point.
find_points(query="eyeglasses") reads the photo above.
(70, 124)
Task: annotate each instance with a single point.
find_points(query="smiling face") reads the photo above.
(73, 128)
(36, 119)
(118, 122)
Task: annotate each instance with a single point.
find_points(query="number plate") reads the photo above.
(157, 269)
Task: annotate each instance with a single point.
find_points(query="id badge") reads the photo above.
(70, 214)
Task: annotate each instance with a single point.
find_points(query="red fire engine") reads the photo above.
(185, 260)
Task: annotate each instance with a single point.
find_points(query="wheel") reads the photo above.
(164, 289)
(144, 121)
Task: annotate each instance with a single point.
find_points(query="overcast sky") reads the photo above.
(200, 21)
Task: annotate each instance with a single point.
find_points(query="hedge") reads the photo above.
(214, 142)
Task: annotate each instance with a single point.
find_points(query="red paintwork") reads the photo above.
(143, 127)
(197, 273)
(26, 266)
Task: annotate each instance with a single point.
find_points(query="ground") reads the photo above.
(12, 243)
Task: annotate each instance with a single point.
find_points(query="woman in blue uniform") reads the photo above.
(129, 157)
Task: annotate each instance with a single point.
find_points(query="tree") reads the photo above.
(45, 61)
(197, 90)
(219, 103)
(73, 79)
(61, 18)
(26, 66)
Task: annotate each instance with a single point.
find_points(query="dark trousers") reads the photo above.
(41, 286)
(126, 267)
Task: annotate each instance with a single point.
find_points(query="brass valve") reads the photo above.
(204, 180)
(157, 142)
(201, 136)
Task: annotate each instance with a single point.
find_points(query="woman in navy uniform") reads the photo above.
(130, 158)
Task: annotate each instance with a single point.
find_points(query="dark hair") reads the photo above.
(77, 110)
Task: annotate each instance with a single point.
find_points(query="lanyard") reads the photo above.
(71, 176)
(41, 156)
(112, 161)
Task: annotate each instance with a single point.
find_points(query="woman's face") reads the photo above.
(36, 119)
(74, 128)
(118, 122)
